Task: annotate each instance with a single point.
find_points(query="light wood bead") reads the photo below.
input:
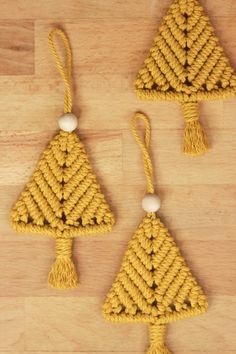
(151, 203)
(68, 122)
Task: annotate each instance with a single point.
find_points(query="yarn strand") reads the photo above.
(157, 335)
(144, 145)
(64, 70)
(63, 273)
(195, 140)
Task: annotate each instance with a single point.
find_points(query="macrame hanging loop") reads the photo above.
(144, 145)
(64, 69)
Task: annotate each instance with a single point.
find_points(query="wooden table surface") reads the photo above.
(110, 40)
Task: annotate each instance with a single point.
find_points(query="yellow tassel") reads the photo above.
(157, 334)
(194, 141)
(63, 274)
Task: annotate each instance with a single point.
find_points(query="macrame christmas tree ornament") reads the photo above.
(63, 198)
(154, 284)
(187, 64)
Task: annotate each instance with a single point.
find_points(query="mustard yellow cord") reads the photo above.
(188, 65)
(157, 336)
(63, 198)
(64, 70)
(154, 284)
(63, 274)
(148, 169)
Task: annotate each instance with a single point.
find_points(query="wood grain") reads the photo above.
(17, 48)
(110, 40)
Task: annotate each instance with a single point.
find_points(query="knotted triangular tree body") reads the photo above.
(154, 284)
(188, 65)
(63, 200)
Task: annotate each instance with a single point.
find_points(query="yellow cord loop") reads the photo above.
(144, 145)
(64, 70)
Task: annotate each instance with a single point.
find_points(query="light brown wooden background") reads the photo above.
(110, 40)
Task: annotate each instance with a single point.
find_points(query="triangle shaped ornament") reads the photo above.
(187, 64)
(63, 198)
(154, 284)
(154, 272)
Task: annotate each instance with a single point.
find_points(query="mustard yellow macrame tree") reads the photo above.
(154, 284)
(187, 64)
(63, 198)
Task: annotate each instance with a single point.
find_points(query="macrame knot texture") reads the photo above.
(63, 198)
(154, 284)
(187, 64)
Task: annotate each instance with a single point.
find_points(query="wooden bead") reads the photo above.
(151, 203)
(67, 122)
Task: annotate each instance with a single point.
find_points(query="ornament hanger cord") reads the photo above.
(144, 145)
(64, 70)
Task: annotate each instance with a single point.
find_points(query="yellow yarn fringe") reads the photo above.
(157, 345)
(186, 64)
(194, 140)
(63, 273)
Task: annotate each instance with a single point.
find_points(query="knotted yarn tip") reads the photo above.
(194, 140)
(157, 336)
(63, 273)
